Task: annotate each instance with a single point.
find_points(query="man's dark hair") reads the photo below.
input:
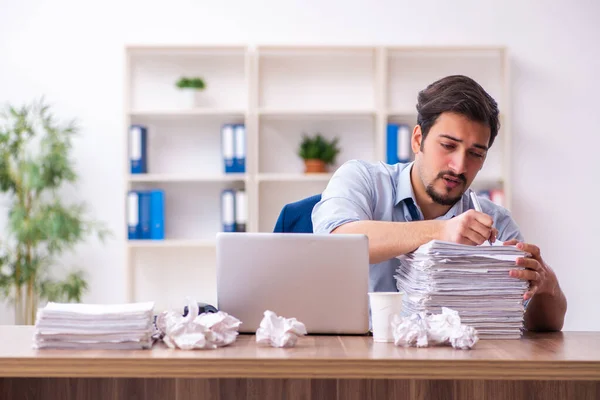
(459, 94)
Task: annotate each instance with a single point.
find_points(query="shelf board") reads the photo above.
(178, 49)
(487, 182)
(186, 178)
(191, 112)
(402, 113)
(168, 243)
(268, 112)
(299, 177)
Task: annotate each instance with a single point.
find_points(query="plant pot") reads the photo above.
(191, 97)
(314, 166)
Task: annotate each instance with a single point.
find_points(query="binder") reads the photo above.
(241, 211)
(138, 149)
(228, 210)
(145, 199)
(133, 215)
(404, 148)
(240, 148)
(398, 147)
(157, 214)
(228, 147)
(392, 144)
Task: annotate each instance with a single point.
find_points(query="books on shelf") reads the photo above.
(398, 147)
(233, 142)
(138, 145)
(233, 148)
(234, 210)
(146, 214)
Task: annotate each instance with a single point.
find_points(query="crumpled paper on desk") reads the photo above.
(424, 329)
(279, 331)
(204, 331)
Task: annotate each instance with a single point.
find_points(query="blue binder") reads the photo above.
(398, 147)
(133, 215)
(228, 210)
(228, 147)
(138, 149)
(145, 210)
(157, 214)
(239, 158)
(392, 144)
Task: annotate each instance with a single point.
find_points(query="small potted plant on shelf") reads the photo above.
(317, 153)
(192, 86)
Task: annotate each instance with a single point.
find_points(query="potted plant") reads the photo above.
(35, 164)
(317, 152)
(191, 86)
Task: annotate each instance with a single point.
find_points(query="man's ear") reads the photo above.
(416, 139)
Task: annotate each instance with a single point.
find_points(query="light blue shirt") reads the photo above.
(359, 190)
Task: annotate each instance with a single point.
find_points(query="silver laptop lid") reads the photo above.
(319, 279)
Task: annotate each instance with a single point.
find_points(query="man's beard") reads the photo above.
(444, 199)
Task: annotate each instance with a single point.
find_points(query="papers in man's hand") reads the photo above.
(473, 280)
(94, 326)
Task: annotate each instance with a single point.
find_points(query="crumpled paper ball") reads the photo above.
(279, 331)
(424, 329)
(204, 331)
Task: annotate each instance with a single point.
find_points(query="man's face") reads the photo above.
(453, 153)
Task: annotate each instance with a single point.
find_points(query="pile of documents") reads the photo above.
(472, 280)
(95, 326)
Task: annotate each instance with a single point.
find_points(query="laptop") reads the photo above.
(319, 279)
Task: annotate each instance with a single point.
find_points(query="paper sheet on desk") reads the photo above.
(97, 311)
(94, 326)
(473, 280)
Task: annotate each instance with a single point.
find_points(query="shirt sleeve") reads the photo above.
(348, 197)
(507, 227)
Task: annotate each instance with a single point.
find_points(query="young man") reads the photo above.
(400, 207)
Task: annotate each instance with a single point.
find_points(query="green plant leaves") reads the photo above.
(191, 83)
(67, 290)
(319, 148)
(35, 163)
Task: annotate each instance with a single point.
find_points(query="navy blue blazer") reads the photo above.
(296, 217)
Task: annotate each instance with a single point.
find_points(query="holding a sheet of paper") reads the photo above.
(403, 206)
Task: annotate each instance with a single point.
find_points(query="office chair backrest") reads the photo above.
(296, 217)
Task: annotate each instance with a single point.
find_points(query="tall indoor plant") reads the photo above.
(35, 164)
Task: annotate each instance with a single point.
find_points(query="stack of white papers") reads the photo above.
(473, 280)
(94, 326)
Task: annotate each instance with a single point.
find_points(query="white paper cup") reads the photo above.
(384, 305)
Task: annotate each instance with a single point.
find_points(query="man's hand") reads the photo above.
(471, 227)
(540, 276)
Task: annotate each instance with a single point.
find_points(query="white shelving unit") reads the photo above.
(279, 93)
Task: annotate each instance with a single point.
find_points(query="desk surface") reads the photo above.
(569, 355)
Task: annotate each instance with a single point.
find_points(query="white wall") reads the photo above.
(72, 52)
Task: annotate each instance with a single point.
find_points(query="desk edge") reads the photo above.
(300, 369)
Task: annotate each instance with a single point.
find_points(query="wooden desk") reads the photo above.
(544, 366)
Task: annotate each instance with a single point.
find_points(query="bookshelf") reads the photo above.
(278, 93)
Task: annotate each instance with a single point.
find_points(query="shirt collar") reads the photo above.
(404, 190)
